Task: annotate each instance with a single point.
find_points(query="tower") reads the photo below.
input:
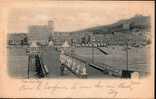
(50, 25)
(50, 29)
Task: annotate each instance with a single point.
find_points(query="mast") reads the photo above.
(127, 54)
(93, 39)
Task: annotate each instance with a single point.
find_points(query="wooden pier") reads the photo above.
(67, 61)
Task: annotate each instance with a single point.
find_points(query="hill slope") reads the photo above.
(137, 22)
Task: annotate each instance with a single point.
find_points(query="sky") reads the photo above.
(74, 17)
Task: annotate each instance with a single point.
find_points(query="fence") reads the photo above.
(74, 64)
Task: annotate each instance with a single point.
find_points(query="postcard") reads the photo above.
(77, 49)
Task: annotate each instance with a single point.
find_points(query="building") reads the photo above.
(60, 37)
(17, 39)
(81, 37)
(40, 33)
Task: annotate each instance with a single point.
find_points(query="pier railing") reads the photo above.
(78, 66)
(35, 62)
(74, 64)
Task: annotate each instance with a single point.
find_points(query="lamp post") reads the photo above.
(28, 54)
(127, 73)
(28, 65)
(93, 39)
(127, 54)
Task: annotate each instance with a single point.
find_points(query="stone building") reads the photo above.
(17, 39)
(40, 33)
(60, 37)
(81, 37)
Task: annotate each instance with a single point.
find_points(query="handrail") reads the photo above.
(100, 66)
(76, 57)
(79, 69)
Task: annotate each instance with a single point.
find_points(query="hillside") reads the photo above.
(139, 22)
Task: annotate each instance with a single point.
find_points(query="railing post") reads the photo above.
(62, 69)
(28, 65)
(84, 72)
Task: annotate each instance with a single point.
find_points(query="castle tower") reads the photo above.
(51, 28)
(50, 25)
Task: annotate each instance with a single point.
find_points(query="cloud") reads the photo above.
(70, 18)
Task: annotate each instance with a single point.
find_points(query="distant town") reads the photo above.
(136, 29)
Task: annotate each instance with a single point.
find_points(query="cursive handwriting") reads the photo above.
(113, 92)
(111, 89)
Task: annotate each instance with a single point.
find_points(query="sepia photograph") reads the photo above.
(77, 49)
(53, 43)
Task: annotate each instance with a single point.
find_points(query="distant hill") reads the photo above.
(134, 29)
(137, 22)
